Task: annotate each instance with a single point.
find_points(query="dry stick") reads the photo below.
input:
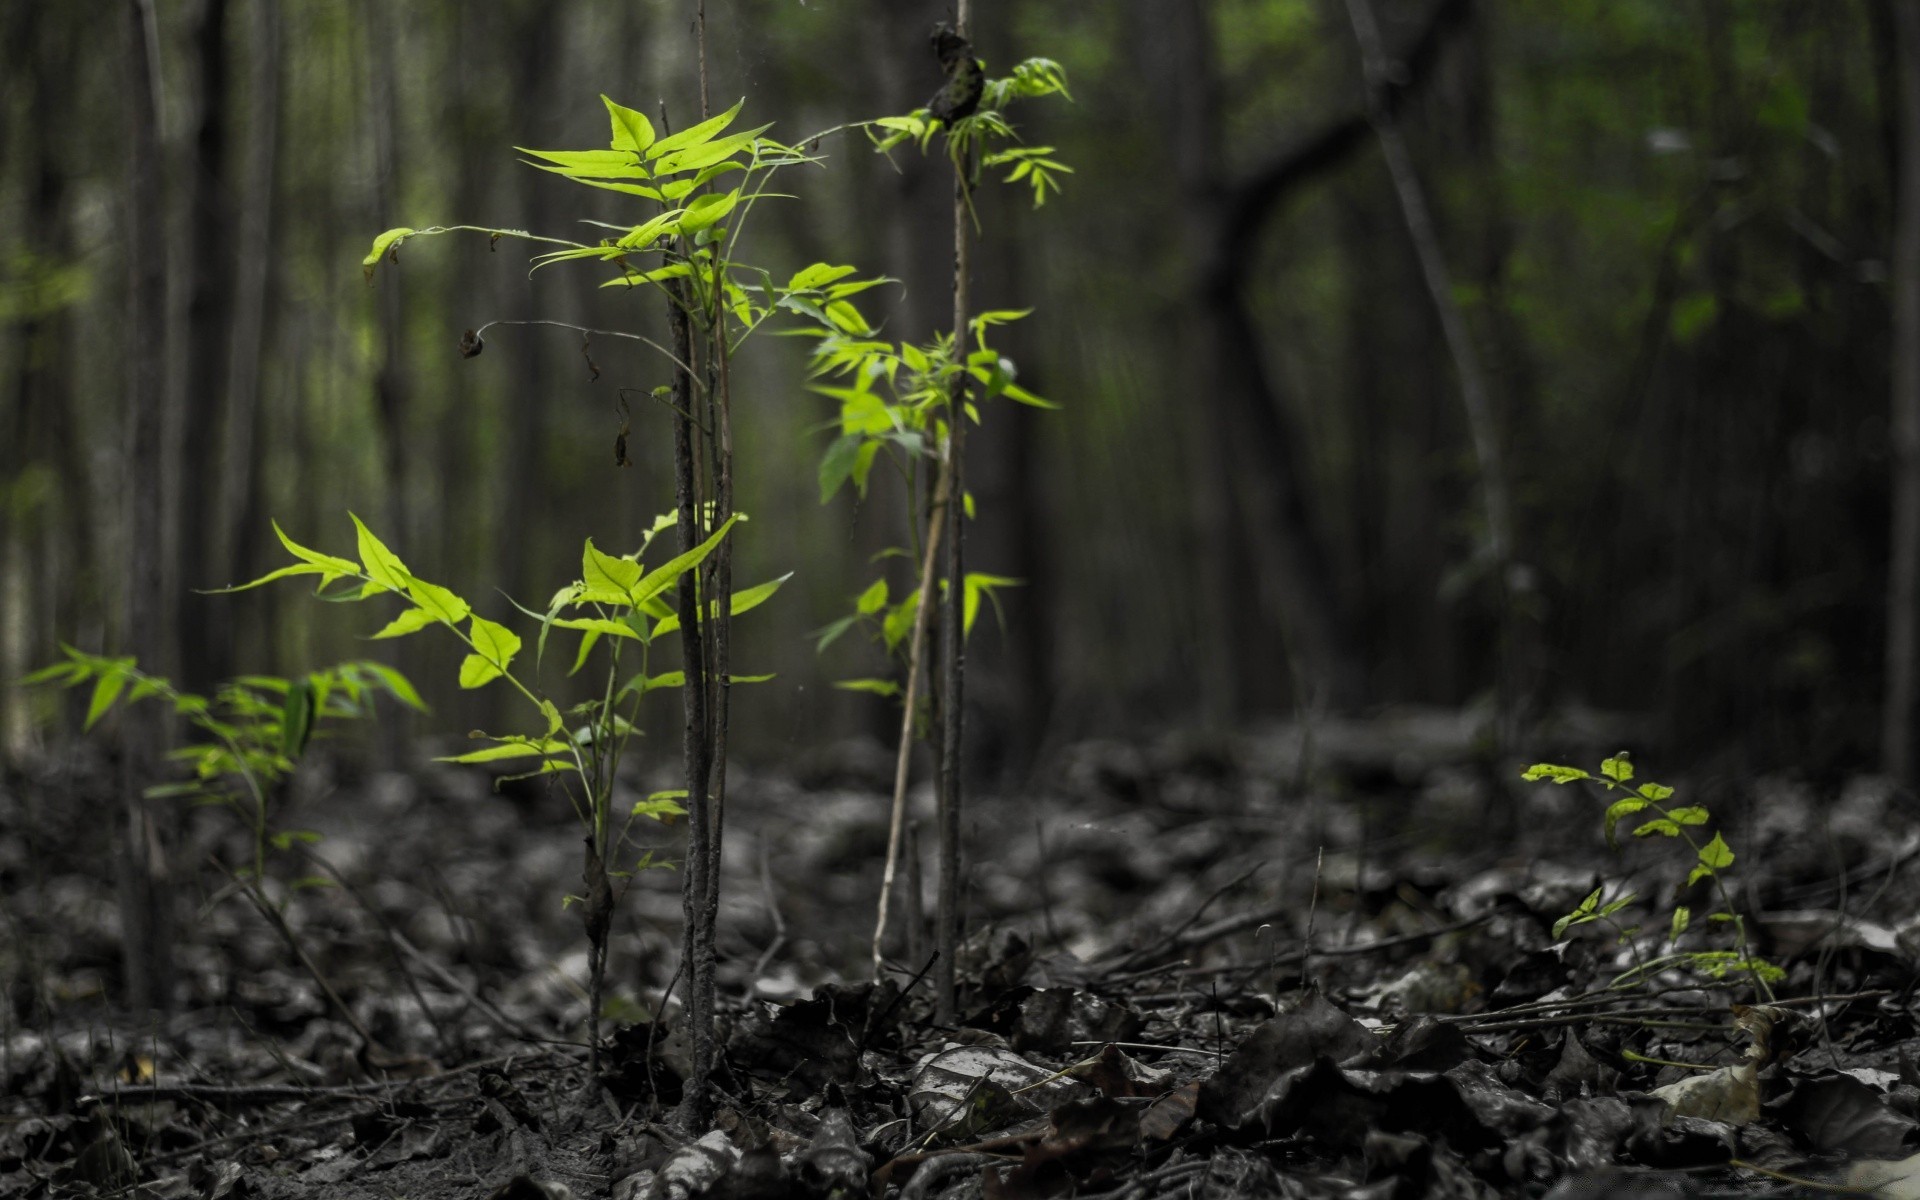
(953, 636)
(916, 898)
(392, 938)
(1172, 937)
(1313, 907)
(1474, 396)
(935, 523)
(251, 890)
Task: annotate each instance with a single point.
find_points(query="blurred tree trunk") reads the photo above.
(390, 383)
(390, 376)
(1897, 732)
(522, 512)
(205, 643)
(46, 536)
(1181, 55)
(145, 898)
(1249, 454)
(239, 511)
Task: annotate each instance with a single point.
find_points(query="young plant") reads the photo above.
(913, 404)
(1711, 859)
(618, 607)
(700, 186)
(251, 733)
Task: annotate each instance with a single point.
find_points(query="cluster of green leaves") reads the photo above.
(616, 600)
(898, 399)
(894, 402)
(988, 129)
(1711, 858)
(252, 731)
(690, 239)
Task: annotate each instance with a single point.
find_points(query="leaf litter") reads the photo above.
(1203, 971)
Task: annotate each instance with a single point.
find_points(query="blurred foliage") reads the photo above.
(1667, 223)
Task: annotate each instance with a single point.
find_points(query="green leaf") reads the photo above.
(1618, 811)
(604, 625)
(631, 129)
(599, 164)
(1554, 774)
(657, 580)
(384, 243)
(603, 572)
(494, 647)
(1619, 768)
(828, 634)
(1682, 916)
(694, 135)
(1580, 915)
(666, 679)
(696, 158)
(703, 211)
(900, 620)
(296, 719)
(412, 620)
(837, 464)
(662, 806)
(396, 684)
(587, 643)
(1654, 792)
(879, 687)
(511, 748)
(105, 692)
(873, 599)
(816, 276)
(441, 603)
(976, 586)
(66, 673)
(281, 573)
(343, 566)
(380, 564)
(743, 600)
(1715, 856)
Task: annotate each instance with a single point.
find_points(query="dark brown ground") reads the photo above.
(1141, 1018)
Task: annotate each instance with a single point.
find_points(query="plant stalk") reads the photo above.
(953, 655)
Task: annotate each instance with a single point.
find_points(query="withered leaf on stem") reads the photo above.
(471, 345)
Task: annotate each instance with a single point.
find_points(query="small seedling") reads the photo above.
(1711, 859)
(618, 605)
(252, 733)
(913, 403)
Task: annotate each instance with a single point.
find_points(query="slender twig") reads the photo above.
(612, 333)
(904, 755)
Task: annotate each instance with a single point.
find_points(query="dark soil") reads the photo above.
(1197, 968)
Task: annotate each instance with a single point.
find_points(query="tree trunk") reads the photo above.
(206, 647)
(37, 554)
(239, 482)
(1897, 730)
(1248, 453)
(145, 897)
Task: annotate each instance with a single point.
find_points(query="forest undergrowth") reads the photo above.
(1197, 968)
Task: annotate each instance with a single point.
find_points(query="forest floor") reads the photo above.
(1294, 963)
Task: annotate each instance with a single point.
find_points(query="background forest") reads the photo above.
(1669, 226)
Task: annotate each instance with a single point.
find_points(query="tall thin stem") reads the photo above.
(953, 653)
(903, 758)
